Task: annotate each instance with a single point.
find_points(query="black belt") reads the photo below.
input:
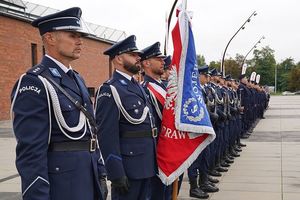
(139, 134)
(89, 145)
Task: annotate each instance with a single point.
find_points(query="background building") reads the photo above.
(21, 48)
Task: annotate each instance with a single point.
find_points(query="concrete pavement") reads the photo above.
(268, 169)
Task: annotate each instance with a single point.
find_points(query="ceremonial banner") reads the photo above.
(186, 127)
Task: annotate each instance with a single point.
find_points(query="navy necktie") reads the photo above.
(133, 80)
(71, 74)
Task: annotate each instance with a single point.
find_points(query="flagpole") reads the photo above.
(175, 183)
(175, 189)
(168, 25)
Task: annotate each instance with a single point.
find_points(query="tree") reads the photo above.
(232, 67)
(239, 59)
(294, 79)
(265, 65)
(214, 64)
(283, 70)
(201, 60)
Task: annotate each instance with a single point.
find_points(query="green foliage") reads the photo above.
(214, 64)
(294, 79)
(265, 65)
(283, 70)
(201, 60)
(232, 67)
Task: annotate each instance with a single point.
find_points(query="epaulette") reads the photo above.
(109, 81)
(36, 70)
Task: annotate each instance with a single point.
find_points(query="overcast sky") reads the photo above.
(214, 23)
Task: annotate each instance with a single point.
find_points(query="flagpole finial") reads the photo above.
(184, 4)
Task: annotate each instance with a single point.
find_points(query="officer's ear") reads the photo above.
(118, 59)
(49, 38)
(146, 63)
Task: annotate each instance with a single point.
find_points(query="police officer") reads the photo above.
(154, 66)
(199, 169)
(126, 125)
(57, 156)
(153, 63)
(244, 94)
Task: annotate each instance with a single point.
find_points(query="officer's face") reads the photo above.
(244, 80)
(203, 79)
(208, 78)
(157, 65)
(68, 44)
(131, 62)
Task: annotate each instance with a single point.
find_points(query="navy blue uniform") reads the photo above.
(128, 149)
(45, 173)
(244, 94)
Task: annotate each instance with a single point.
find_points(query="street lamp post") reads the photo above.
(242, 27)
(275, 88)
(259, 41)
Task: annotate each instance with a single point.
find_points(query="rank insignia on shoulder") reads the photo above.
(55, 72)
(37, 69)
(108, 81)
(123, 82)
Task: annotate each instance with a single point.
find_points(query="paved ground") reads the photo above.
(268, 169)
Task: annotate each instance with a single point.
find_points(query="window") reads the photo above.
(33, 54)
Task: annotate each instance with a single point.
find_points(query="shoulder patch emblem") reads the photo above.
(123, 82)
(55, 72)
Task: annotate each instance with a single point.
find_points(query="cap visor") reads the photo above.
(137, 51)
(161, 56)
(82, 32)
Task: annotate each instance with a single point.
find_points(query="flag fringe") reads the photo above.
(168, 180)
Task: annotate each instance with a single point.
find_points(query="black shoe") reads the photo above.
(229, 161)
(211, 184)
(225, 164)
(229, 157)
(235, 154)
(208, 188)
(198, 193)
(215, 173)
(237, 149)
(213, 180)
(245, 136)
(221, 169)
(242, 145)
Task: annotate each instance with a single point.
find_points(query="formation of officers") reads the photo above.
(235, 106)
(67, 147)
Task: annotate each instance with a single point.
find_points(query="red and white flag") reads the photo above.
(186, 127)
